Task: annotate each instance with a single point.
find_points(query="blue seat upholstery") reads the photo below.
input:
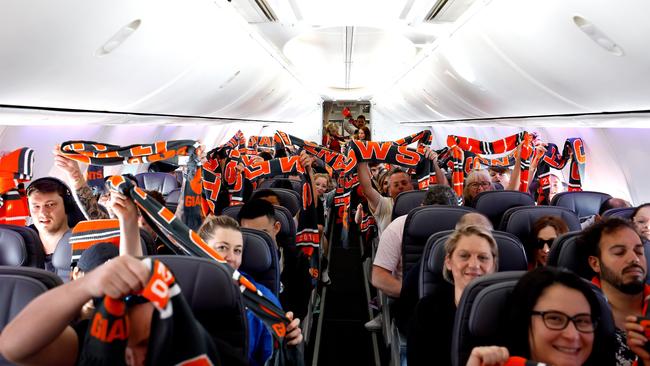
(171, 201)
(161, 182)
(260, 259)
(519, 220)
(583, 203)
(482, 315)
(512, 257)
(286, 238)
(284, 183)
(33, 245)
(622, 212)
(421, 223)
(406, 201)
(13, 251)
(494, 204)
(215, 301)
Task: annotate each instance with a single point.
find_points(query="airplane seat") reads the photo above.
(482, 315)
(62, 257)
(289, 199)
(284, 183)
(621, 212)
(512, 257)
(161, 182)
(519, 220)
(468, 331)
(494, 204)
(406, 201)
(215, 301)
(18, 287)
(260, 259)
(171, 201)
(13, 251)
(583, 203)
(33, 245)
(421, 223)
(286, 238)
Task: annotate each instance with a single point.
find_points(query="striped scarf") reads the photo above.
(176, 152)
(573, 153)
(88, 233)
(15, 168)
(467, 154)
(95, 178)
(177, 235)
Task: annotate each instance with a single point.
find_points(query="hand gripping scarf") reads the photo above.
(176, 234)
(15, 168)
(95, 153)
(176, 338)
(573, 152)
(466, 154)
(88, 233)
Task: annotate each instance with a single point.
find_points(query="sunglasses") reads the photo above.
(541, 242)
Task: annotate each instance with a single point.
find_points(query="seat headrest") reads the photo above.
(214, 299)
(161, 182)
(406, 201)
(519, 220)
(287, 235)
(12, 248)
(260, 259)
(423, 221)
(62, 257)
(622, 212)
(282, 183)
(583, 203)
(171, 201)
(48, 279)
(33, 245)
(494, 203)
(512, 257)
(289, 199)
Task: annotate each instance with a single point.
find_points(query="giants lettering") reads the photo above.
(191, 201)
(95, 175)
(119, 329)
(579, 149)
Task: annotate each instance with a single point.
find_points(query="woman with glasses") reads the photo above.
(553, 320)
(545, 230)
(477, 181)
(641, 219)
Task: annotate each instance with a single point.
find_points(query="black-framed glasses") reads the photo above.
(557, 320)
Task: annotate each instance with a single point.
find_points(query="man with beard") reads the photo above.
(616, 254)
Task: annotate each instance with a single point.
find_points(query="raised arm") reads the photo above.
(365, 178)
(127, 214)
(513, 185)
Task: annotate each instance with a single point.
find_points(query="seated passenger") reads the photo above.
(48, 210)
(606, 205)
(557, 186)
(554, 320)
(222, 233)
(477, 181)
(500, 176)
(90, 259)
(545, 230)
(470, 252)
(269, 195)
(641, 218)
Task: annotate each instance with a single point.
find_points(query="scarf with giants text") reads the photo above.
(573, 153)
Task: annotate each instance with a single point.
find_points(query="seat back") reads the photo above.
(161, 182)
(289, 199)
(286, 238)
(284, 183)
(583, 203)
(519, 220)
(260, 259)
(494, 204)
(18, 287)
(215, 301)
(13, 251)
(33, 245)
(62, 257)
(421, 223)
(406, 201)
(622, 212)
(171, 201)
(512, 257)
(483, 311)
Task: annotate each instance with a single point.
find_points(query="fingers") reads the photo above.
(490, 355)
(294, 333)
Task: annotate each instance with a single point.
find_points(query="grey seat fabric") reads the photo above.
(420, 224)
(33, 245)
(62, 257)
(286, 238)
(13, 251)
(583, 203)
(406, 201)
(519, 220)
(161, 182)
(284, 183)
(482, 316)
(622, 212)
(289, 199)
(215, 301)
(512, 257)
(19, 286)
(260, 259)
(171, 200)
(494, 204)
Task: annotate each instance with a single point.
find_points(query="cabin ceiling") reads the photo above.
(418, 61)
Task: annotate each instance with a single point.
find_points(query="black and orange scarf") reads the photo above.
(573, 153)
(90, 232)
(15, 168)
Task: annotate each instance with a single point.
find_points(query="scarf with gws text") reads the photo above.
(467, 154)
(573, 153)
(15, 168)
(176, 338)
(176, 152)
(175, 234)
